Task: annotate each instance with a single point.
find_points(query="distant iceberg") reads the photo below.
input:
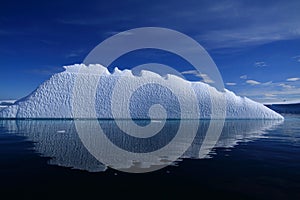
(55, 97)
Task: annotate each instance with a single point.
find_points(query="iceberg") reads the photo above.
(80, 84)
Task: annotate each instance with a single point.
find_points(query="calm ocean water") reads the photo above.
(251, 159)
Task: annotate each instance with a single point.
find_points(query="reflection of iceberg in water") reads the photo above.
(59, 140)
(234, 131)
(56, 139)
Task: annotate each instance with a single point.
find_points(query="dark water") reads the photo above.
(250, 159)
(286, 108)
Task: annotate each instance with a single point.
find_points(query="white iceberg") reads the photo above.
(55, 97)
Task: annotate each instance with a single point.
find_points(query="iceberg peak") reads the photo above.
(82, 68)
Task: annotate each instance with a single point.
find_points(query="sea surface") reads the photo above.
(65, 159)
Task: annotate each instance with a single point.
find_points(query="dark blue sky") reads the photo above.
(255, 44)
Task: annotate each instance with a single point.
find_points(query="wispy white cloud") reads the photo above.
(227, 23)
(277, 92)
(75, 53)
(286, 86)
(196, 73)
(193, 72)
(267, 83)
(240, 37)
(271, 91)
(296, 58)
(71, 55)
(263, 91)
(230, 84)
(273, 25)
(205, 78)
(260, 64)
(122, 33)
(243, 77)
(253, 82)
(293, 79)
(270, 95)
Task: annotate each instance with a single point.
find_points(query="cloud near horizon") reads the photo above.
(293, 79)
(253, 82)
(231, 84)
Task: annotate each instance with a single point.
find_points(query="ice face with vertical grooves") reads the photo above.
(53, 98)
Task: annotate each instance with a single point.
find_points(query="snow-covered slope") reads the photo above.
(57, 97)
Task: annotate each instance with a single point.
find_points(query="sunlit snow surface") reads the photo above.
(53, 99)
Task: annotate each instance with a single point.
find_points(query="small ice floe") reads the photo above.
(61, 131)
(156, 121)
